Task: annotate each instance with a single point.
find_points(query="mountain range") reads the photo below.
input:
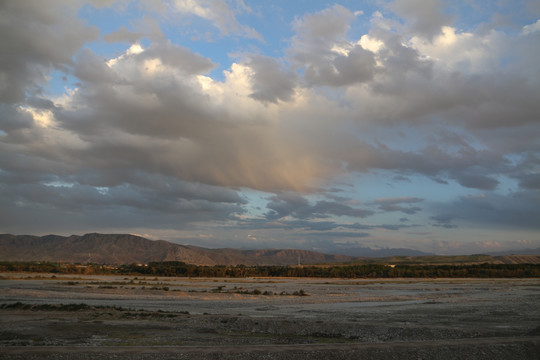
(128, 249)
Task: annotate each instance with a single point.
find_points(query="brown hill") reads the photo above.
(127, 249)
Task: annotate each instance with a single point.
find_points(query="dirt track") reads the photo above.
(226, 319)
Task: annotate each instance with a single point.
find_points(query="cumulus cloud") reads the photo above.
(48, 40)
(320, 47)
(157, 117)
(270, 81)
(531, 28)
(424, 17)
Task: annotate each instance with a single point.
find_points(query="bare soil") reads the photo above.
(182, 318)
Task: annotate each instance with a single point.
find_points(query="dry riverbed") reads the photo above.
(271, 318)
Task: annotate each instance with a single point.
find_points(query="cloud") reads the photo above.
(530, 181)
(147, 27)
(457, 77)
(13, 118)
(123, 35)
(220, 14)
(51, 36)
(393, 204)
(322, 226)
(477, 181)
(400, 200)
(327, 57)
(339, 235)
(93, 69)
(470, 167)
(325, 27)
(424, 17)
(293, 205)
(516, 210)
(153, 134)
(401, 178)
(444, 220)
(170, 203)
(531, 28)
(270, 81)
(153, 108)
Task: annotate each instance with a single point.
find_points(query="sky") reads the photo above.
(328, 126)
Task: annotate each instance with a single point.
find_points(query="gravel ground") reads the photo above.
(179, 318)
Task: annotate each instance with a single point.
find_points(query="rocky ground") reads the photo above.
(90, 317)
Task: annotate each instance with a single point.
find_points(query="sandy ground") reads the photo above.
(181, 318)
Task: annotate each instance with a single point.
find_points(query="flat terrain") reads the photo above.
(271, 318)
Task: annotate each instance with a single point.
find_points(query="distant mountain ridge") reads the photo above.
(126, 249)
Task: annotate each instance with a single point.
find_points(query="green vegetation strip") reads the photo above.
(180, 269)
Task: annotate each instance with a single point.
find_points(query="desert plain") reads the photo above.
(48, 316)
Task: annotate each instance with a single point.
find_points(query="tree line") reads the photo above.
(181, 269)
